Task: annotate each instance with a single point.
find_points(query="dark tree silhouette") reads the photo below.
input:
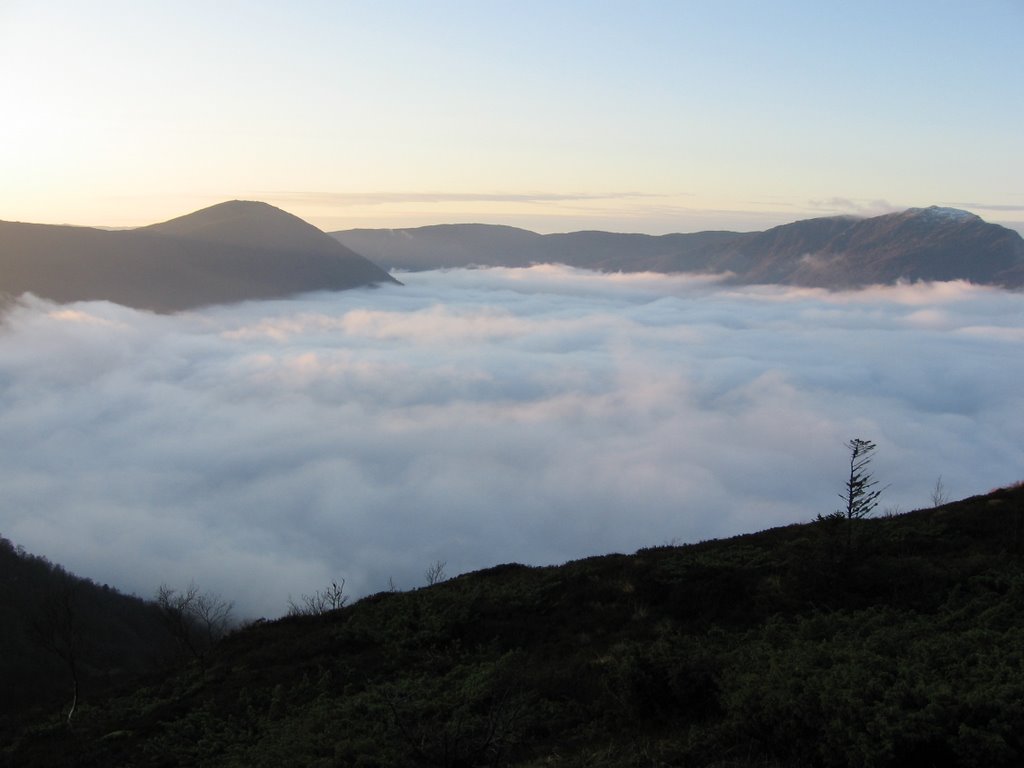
(860, 499)
(435, 574)
(859, 495)
(323, 600)
(57, 629)
(195, 619)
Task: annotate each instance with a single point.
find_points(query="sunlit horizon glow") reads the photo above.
(645, 117)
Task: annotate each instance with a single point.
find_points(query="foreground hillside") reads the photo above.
(836, 252)
(902, 645)
(61, 633)
(234, 251)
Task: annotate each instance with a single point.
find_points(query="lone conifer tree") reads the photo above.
(859, 495)
(860, 499)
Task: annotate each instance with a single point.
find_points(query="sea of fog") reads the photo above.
(479, 417)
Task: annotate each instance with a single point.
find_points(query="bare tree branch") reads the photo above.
(329, 599)
(195, 619)
(56, 629)
(435, 573)
(939, 494)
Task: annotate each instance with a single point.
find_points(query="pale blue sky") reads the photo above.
(640, 116)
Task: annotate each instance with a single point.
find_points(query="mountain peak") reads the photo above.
(248, 223)
(235, 251)
(940, 213)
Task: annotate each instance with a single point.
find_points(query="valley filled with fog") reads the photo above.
(484, 416)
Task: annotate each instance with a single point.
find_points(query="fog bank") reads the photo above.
(481, 417)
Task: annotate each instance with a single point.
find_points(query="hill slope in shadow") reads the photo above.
(234, 251)
(836, 252)
(900, 644)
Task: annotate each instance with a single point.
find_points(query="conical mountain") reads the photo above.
(248, 223)
(234, 251)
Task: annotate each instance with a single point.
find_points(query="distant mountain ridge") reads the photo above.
(830, 252)
(243, 250)
(230, 252)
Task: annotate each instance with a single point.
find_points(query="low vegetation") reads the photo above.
(799, 646)
(66, 639)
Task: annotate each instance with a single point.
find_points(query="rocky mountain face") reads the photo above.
(832, 252)
(917, 244)
(234, 251)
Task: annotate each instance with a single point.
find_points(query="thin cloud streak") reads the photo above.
(990, 206)
(483, 416)
(854, 207)
(391, 198)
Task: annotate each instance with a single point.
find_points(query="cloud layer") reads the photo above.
(480, 417)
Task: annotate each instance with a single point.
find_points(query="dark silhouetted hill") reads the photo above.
(897, 642)
(444, 245)
(462, 245)
(832, 252)
(234, 251)
(51, 618)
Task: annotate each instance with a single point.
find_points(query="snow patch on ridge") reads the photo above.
(938, 212)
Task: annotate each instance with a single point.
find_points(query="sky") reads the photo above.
(477, 417)
(640, 116)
